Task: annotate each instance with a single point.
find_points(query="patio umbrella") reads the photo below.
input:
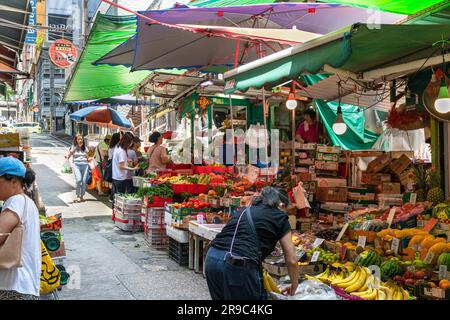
(101, 116)
(186, 46)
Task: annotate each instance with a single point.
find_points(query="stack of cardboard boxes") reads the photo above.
(387, 176)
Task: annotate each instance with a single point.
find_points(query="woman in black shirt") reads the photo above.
(233, 262)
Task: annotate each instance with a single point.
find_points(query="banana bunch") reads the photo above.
(398, 293)
(328, 276)
(269, 283)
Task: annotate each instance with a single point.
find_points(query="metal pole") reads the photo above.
(52, 93)
(293, 141)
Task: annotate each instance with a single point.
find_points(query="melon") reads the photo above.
(390, 269)
(444, 259)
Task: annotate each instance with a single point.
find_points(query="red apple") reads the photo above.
(410, 282)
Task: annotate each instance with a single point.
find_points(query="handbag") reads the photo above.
(107, 175)
(11, 250)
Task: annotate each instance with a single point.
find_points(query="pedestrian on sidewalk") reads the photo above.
(101, 156)
(21, 283)
(121, 167)
(80, 165)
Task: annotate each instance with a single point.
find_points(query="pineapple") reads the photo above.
(419, 177)
(435, 193)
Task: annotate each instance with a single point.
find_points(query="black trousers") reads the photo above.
(229, 282)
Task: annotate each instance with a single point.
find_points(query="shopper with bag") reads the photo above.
(107, 171)
(233, 264)
(101, 157)
(80, 166)
(120, 165)
(20, 244)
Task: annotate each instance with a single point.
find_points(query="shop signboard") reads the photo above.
(63, 53)
(30, 38)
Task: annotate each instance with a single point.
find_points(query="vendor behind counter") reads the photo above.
(309, 130)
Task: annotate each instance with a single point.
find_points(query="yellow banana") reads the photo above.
(381, 295)
(272, 284)
(387, 291)
(266, 282)
(371, 295)
(348, 279)
(358, 283)
(369, 280)
(406, 295)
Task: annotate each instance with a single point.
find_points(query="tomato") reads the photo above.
(196, 207)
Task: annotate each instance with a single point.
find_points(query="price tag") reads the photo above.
(411, 269)
(300, 254)
(429, 258)
(317, 242)
(413, 198)
(391, 216)
(395, 244)
(315, 256)
(200, 219)
(362, 241)
(438, 293)
(442, 272)
(430, 224)
(341, 234)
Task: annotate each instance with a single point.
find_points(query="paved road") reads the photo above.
(109, 263)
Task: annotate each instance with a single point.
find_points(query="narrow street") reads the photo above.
(105, 262)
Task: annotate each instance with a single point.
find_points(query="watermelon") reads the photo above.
(390, 269)
(369, 258)
(444, 259)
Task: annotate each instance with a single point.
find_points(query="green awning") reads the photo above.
(91, 82)
(357, 48)
(396, 6)
(357, 137)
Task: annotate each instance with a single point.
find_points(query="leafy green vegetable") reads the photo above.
(161, 190)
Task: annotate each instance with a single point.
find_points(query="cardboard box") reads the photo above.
(390, 187)
(310, 186)
(323, 165)
(361, 194)
(375, 179)
(328, 156)
(331, 194)
(9, 140)
(322, 148)
(306, 176)
(337, 206)
(331, 182)
(61, 252)
(305, 162)
(379, 164)
(280, 270)
(398, 154)
(399, 165)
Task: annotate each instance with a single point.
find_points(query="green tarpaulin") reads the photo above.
(357, 137)
(396, 6)
(91, 82)
(357, 48)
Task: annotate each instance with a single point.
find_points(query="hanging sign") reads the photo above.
(63, 53)
(203, 102)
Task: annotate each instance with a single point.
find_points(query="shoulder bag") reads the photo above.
(11, 250)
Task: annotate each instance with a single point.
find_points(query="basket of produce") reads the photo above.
(156, 196)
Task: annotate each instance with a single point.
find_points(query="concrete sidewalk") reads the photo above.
(104, 262)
